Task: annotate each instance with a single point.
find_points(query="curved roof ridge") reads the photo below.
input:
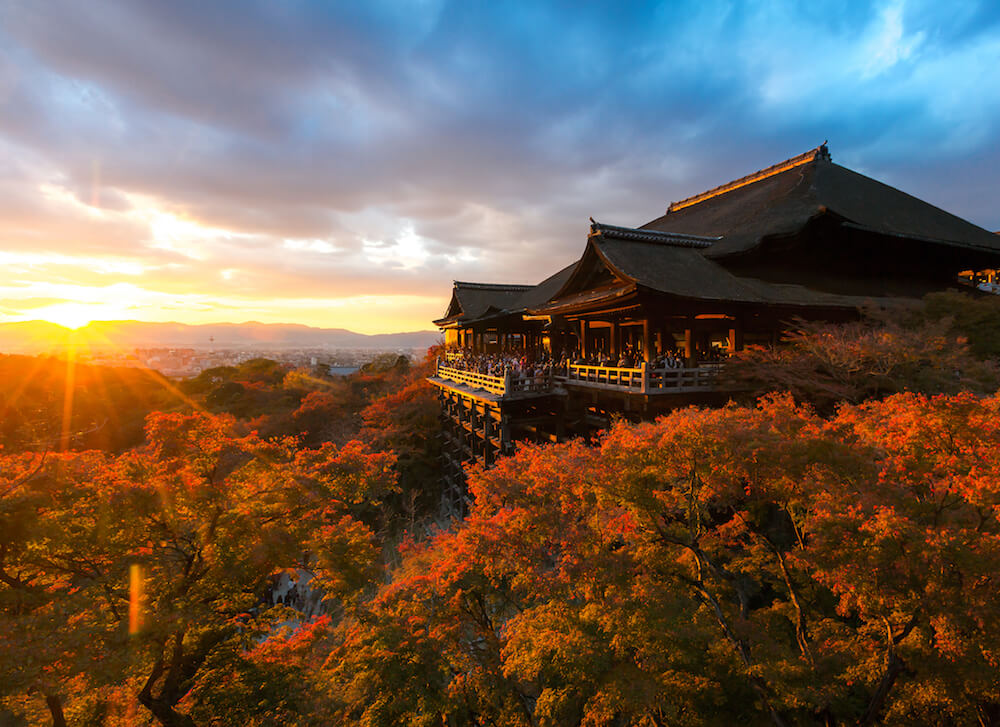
(820, 152)
(677, 239)
(491, 286)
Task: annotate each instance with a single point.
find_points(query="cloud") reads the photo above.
(297, 151)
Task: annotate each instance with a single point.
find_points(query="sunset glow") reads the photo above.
(70, 315)
(353, 197)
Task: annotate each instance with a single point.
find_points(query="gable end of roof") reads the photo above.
(820, 152)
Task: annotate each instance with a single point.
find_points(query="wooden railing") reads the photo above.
(607, 375)
(473, 379)
(642, 380)
(509, 383)
(687, 379)
(646, 380)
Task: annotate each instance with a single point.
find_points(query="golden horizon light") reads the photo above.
(191, 272)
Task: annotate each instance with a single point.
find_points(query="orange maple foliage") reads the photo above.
(737, 564)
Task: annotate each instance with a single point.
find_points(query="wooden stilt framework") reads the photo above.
(474, 430)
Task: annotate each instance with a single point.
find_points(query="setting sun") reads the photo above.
(70, 315)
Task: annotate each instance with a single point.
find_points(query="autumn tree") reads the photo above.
(717, 566)
(913, 557)
(148, 567)
(407, 423)
(976, 318)
(47, 402)
(827, 364)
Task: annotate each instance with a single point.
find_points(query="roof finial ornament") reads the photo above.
(823, 152)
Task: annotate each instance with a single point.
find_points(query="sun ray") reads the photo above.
(166, 384)
(99, 381)
(99, 375)
(25, 381)
(159, 379)
(69, 383)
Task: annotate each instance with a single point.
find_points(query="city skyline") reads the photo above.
(339, 167)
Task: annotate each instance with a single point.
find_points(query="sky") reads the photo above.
(340, 164)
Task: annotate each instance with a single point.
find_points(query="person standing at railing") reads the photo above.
(668, 360)
(564, 363)
(627, 360)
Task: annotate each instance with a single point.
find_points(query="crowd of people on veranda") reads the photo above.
(524, 364)
(516, 363)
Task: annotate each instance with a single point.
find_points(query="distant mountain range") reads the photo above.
(35, 336)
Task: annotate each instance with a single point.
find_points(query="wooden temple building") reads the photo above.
(730, 267)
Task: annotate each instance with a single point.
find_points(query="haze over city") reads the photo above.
(340, 166)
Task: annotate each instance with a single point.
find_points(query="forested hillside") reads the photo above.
(824, 558)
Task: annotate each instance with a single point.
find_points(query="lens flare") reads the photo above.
(136, 596)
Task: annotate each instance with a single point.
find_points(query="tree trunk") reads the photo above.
(165, 714)
(162, 707)
(55, 709)
(893, 669)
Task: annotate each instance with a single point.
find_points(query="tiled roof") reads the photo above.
(784, 198)
(680, 253)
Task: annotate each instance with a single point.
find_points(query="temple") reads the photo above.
(644, 319)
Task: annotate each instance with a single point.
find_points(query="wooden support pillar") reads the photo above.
(735, 339)
(583, 338)
(614, 347)
(487, 459)
(646, 341)
(689, 345)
